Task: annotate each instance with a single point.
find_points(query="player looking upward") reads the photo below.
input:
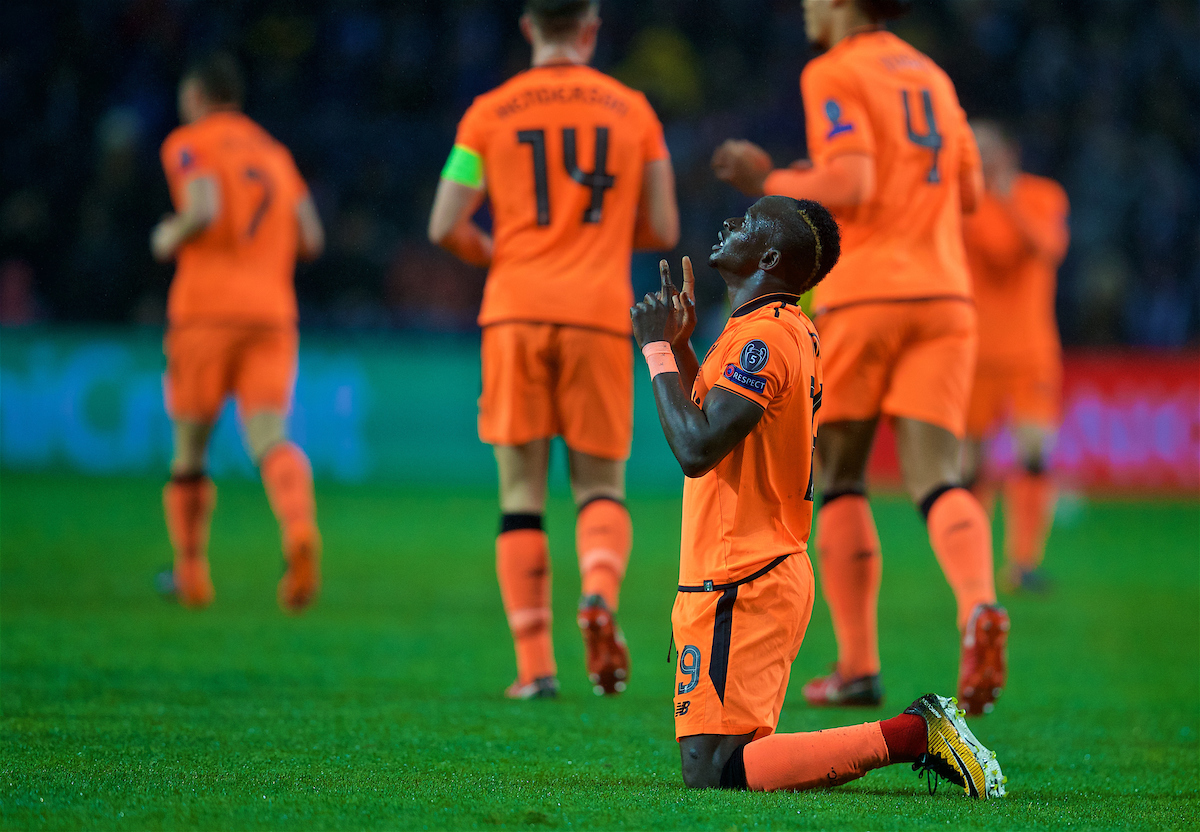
(577, 174)
(1015, 242)
(242, 214)
(743, 425)
(893, 156)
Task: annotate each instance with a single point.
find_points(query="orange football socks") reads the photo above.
(962, 541)
(523, 567)
(188, 503)
(851, 570)
(287, 477)
(817, 759)
(1028, 515)
(603, 538)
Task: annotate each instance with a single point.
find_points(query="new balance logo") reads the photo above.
(682, 708)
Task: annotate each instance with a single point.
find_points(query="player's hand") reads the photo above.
(651, 318)
(683, 304)
(742, 164)
(164, 239)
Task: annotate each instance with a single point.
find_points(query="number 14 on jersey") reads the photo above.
(598, 179)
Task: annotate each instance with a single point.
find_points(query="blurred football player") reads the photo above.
(242, 215)
(577, 175)
(743, 426)
(1015, 241)
(893, 156)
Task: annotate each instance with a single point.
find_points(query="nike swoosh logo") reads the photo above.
(966, 773)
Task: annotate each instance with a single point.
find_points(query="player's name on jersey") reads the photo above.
(565, 94)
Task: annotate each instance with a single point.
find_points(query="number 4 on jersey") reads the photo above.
(931, 139)
(598, 179)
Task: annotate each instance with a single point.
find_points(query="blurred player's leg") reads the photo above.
(603, 539)
(850, 566)
(188, 501)
(961, 537)
(975, 475)
(287, 477)
(523, 565)
(593, 400)
(264, 377)
(1029, 497)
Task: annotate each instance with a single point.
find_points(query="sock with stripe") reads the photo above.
(961, 538)
(603, 538)
(287, 477)
(851, 570)
(523, 568)
(1028, 515)
(188, 502)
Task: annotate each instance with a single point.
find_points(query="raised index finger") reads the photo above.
(689, 278)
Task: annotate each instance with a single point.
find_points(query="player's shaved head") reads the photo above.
(560, 19)
(796, 241)
(219, 78)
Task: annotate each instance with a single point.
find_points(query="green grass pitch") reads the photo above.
(382, 707)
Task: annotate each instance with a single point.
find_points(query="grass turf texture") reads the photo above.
(382, 708)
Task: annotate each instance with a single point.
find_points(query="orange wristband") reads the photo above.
(659, 358)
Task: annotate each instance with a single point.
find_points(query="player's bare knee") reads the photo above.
(699, 767)
(264, 430)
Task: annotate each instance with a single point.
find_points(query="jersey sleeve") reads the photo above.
(836, 120)
(465, 163)
(184, 158)
(760, 363)
(654, 144)
(1046, 215)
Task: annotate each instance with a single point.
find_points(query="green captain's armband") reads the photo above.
(464, 166)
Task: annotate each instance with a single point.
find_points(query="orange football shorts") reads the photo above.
(206, 363)
(736, 647)
(1018, 394)
(912, 359)
(543, 380)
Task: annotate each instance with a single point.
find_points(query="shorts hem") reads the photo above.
(722, 730)
(590, 450)
(957, 427)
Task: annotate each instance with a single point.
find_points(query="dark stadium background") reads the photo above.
(1104, 94)
(1105, 97)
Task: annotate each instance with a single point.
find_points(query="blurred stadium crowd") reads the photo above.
(1104, 95)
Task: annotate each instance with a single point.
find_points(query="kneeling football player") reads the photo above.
(743, 426)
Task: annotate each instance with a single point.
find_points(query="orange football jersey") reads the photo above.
(756, 504)
(876, 95)
(563, 148)
(1014, 248)
(241, 268)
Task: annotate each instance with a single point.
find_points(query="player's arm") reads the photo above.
(699, 437)
(970, 171)
(845, 180)
(312, 233)
(1042, 226)
(201, 201)
(657, 225)
(459, 195)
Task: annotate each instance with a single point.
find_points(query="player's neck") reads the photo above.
(853, 24)
(756, 286)
(551, 54)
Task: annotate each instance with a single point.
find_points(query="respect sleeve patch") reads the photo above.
(464, 166)
(753, 383)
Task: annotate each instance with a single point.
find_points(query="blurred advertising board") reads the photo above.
(1131, 422)
(385, 407)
